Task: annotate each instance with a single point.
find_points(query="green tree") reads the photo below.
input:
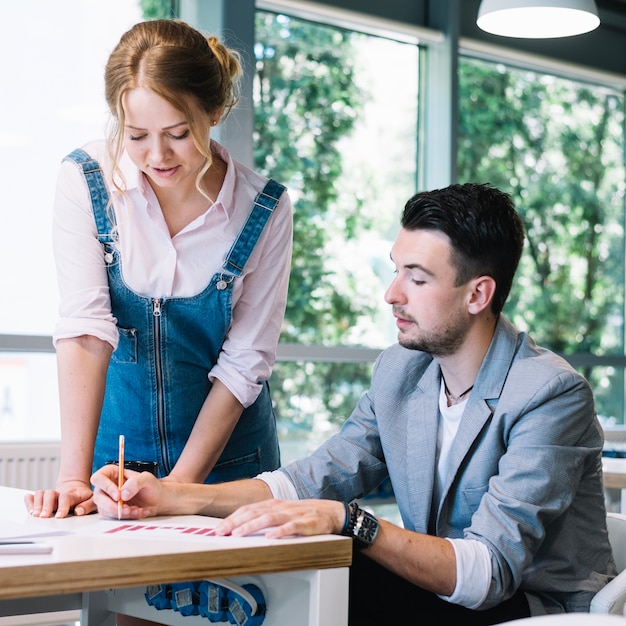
(305, 103)
(557, 147)
(159, 9)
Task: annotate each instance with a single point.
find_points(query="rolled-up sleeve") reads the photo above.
(249, 350)
(85, 306)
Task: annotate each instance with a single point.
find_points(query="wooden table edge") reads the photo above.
(68, 577)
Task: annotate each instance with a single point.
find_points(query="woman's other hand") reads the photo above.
(70, 497)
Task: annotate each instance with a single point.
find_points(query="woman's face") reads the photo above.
(158, 140)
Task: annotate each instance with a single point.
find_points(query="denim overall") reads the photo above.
(157, 379)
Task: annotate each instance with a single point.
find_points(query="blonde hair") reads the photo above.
(188, 69)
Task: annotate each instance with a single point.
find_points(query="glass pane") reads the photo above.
(57, 52)
(336, 121)
(557, 146)
(58, 105)
(608, 388)
(312, 400)
(29, 403)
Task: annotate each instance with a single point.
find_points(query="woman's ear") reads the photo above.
(484, 288)
(217, 116)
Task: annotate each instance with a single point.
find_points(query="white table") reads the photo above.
(614, 477)
(304, 580)
(570, 619)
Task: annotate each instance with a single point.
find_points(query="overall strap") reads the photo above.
(105, 220)
(264, 205)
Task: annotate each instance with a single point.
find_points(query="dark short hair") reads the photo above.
(485, 230)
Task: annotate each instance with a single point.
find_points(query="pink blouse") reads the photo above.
(159, 265)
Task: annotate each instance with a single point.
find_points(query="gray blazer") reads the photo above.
(525, 469)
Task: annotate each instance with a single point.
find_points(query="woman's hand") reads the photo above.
(70, 497)
(284, 518)
(142, 493)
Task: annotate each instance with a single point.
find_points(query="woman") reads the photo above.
(173, 288)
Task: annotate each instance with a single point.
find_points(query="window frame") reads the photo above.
(440, 51)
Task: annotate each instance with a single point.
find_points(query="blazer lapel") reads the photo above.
(484, 397)
(421, 444)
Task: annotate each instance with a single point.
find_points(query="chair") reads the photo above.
(610, 601)
(569, 619)
(612, 597)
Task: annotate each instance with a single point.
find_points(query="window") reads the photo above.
(336, 121)
(555, 143)
(557, 146)
(55, 104)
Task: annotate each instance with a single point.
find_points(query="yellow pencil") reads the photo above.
(120, 479)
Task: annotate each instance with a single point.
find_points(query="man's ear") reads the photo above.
(484, 288)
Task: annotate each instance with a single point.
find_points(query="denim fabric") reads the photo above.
(158, 380)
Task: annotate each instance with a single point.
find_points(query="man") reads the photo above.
(491, 444)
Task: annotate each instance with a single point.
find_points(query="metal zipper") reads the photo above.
(156, 326)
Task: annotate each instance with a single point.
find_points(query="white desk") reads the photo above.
(614, 472)
(304, 580)
(614, 477)
(569, 619)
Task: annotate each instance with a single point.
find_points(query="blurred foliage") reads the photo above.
(306, 101)
(159, 9)
(557, 147)
(554, 144)
(312, 400)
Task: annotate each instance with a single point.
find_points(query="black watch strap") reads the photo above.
(360, 525)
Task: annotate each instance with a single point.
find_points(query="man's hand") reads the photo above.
(283, 518)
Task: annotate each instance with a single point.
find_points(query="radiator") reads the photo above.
(29, 465)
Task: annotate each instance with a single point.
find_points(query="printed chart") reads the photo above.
(152, 529)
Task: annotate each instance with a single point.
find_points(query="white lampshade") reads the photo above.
(537, 19)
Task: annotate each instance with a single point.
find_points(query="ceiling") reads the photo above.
(603, 49)
(613, 13)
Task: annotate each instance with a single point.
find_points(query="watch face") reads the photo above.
(368, 529)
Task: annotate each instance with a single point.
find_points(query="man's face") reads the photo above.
(431, 313)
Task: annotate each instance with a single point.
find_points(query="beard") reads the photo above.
(441, 342)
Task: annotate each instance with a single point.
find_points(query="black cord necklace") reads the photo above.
(455, 399)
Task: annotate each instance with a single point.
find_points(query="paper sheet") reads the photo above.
(11, 530)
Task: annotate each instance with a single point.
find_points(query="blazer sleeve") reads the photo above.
(532, 489)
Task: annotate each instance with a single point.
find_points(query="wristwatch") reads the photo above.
(360, 525)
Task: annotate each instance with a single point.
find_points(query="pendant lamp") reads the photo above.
(537, 19)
